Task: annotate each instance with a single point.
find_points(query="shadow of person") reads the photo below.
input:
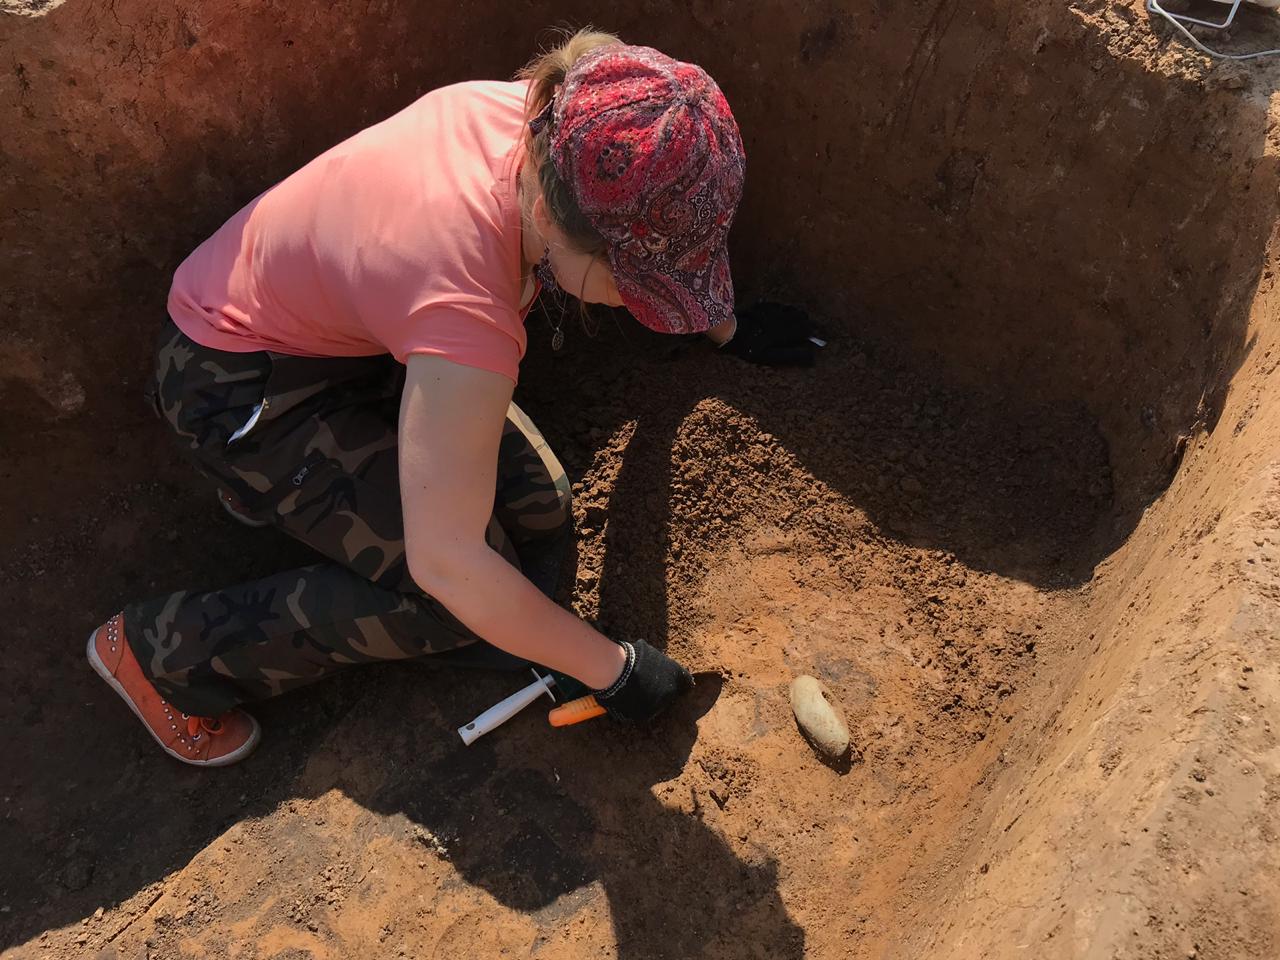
(682, 891)
(674, 886)
(532, 818)
(553, 814)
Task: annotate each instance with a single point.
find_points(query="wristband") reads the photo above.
(623, 677)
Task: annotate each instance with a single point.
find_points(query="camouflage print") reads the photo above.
(320, 462)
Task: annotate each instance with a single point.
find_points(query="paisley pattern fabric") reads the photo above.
(654, 157)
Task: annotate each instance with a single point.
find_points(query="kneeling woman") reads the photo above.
(341, 357)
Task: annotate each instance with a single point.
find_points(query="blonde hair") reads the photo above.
(545, 72)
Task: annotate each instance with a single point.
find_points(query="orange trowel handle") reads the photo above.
(575, 711)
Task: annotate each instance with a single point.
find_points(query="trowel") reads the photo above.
(583, 708)
(567, 714)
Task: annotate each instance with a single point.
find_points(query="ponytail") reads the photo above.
(547, 71)
(544, 73)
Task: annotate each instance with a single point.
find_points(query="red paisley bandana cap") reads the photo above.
(651, 151)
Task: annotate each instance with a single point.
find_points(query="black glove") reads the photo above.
(647, 685)
(774, 334)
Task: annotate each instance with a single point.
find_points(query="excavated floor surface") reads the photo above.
(914, 547)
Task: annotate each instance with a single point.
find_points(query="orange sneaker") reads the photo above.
(202, 741)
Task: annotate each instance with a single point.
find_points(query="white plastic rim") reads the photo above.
(1268, 4)
(1180, 21)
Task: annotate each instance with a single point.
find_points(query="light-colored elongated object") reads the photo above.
(500, 713)
(813, 705)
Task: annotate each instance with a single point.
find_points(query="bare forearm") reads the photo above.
(451, 418)
(497, 602)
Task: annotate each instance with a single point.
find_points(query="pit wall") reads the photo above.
(1137, 813)
(1050, 200)
(1140, 816)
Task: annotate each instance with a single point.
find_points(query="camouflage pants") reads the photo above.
(310, 445)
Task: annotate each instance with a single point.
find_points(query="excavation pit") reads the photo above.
(1023, 517)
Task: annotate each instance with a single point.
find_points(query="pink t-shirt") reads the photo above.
(403, 239)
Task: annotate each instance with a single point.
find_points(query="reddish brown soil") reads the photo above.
(876, 531)
(1023, 518)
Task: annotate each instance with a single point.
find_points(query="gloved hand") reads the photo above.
(647, 685)
(773, 334)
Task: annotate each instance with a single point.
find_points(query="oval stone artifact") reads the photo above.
(815, 711)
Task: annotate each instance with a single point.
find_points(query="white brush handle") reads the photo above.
(500, 713)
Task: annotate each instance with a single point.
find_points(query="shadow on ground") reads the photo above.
(93, 813)
(996, 493)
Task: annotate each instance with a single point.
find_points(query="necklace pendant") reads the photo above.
(557, 339)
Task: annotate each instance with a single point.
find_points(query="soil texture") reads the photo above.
(1022, 519)
(875, 530)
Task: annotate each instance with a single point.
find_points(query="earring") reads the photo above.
(547, 278)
